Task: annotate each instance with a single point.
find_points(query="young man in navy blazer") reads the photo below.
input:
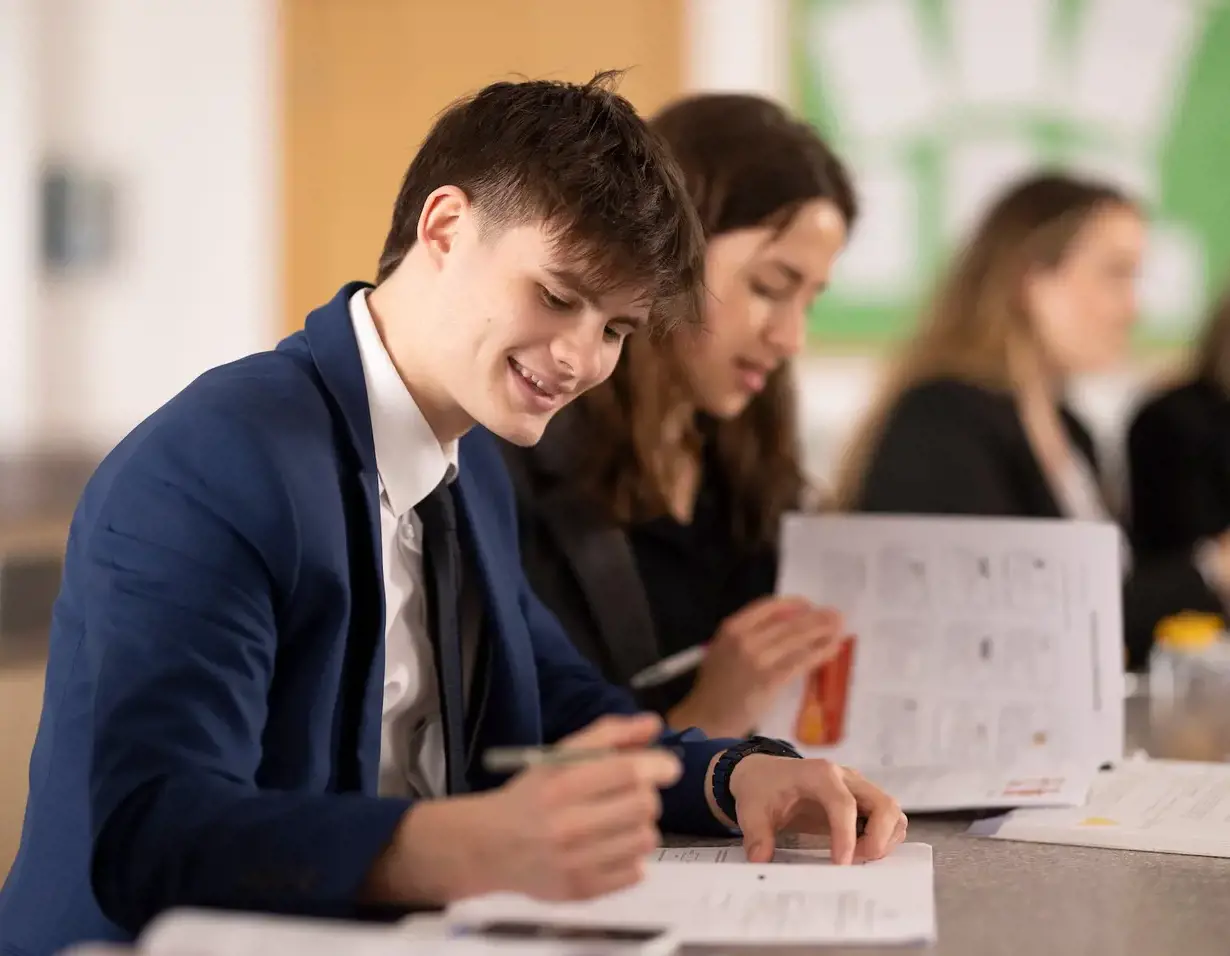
(293, 616)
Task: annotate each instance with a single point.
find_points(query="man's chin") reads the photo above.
(523, 430)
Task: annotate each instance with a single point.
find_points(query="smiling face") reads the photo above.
(760, 283)
(525, 335)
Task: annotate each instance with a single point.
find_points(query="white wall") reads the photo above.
(176, 102)
(18, 172)
(741, 45)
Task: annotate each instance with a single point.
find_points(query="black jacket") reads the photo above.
(579, 563)
(948, 447)
(1179, 461)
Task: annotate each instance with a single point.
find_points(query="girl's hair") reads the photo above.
(976, 327)
(1212, 353)
(746, 164)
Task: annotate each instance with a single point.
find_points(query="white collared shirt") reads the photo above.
(1080, 498)
(411, 463)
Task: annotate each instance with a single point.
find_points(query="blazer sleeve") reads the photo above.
(574, 694)
(182, 611)
(1176, 501)
(935, 456)
(572, 691)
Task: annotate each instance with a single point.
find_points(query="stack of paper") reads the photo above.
(1162, 806)
(219, 933)
(713, 896)
(216, 933)
(987, 668)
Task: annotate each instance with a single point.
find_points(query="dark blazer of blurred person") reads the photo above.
(974, 421)
(1179, 456)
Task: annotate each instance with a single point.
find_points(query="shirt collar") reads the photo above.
(410, 459)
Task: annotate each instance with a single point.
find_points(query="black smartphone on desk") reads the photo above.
(577, 939)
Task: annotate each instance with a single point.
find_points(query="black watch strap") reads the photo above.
(730, 759)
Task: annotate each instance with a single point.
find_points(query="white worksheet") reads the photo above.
(705, 901)
(733, 854)
(221, 933)
(1162, 806)
(980, 644)
(943, 789)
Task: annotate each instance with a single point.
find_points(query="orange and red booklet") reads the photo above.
(821, 720)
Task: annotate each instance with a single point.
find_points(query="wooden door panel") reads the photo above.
(364, 79)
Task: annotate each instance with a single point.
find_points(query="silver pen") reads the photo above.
(669, 668)
(516, 759)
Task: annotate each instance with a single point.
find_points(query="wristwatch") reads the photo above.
(730, 759)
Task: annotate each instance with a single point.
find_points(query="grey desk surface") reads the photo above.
(997, 898)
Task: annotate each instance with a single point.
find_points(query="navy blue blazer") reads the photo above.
(210, 733)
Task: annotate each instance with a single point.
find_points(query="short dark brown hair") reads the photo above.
(579, 159)
(747, 163)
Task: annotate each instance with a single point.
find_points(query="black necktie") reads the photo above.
(442, 576)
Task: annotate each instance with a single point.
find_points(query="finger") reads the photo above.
(883, 813)
(801, 651)
(825, 784)
(607, 775)
(589, 883)
(759, 831)
(596, 820)
(755, 614)
(786, 630)
(616, 849)
(616, 732)
(900, 831)
(788, 651)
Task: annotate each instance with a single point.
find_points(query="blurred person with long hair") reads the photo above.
(973, 420)
(650, 510)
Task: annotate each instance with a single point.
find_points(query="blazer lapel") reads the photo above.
(368, 648)
(329, 340)
(512, 677)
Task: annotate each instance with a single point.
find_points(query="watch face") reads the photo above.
(777, 748)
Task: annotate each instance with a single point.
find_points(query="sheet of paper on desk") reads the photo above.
(943, 789)
(981, 643)
(733, 854)
(216, 933)
(707, 902)
(219, 933)
(1161, 806)
(908, 856)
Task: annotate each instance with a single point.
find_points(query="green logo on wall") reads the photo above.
(938, 104)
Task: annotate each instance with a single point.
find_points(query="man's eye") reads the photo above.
(552, 300)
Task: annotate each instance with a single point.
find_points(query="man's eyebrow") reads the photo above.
(574, 282)
(637, 322)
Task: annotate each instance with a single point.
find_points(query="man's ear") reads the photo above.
(444, 213)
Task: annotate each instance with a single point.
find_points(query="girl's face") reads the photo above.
(759, 283)
(1083, 308)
